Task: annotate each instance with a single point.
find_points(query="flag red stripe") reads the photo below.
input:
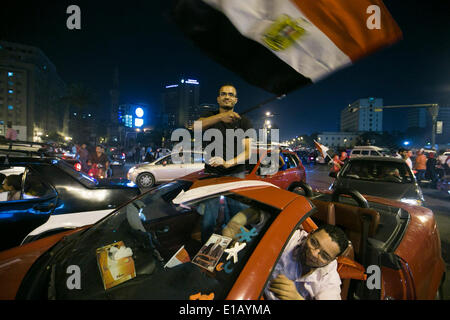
(345, 23)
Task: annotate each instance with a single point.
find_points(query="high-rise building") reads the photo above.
(30, 92)
(418, 118)
(421, 118)
(363, 115)
(181, 103)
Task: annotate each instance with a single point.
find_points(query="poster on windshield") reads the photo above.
(116, 264)
(211, 252)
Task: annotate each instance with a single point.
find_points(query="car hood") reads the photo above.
(119, 183)
(395, 191)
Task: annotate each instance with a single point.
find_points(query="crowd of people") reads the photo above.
(102, 156)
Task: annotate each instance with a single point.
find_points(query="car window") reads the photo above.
(11, 182)
(356, 152)
(81, 177)
(380, 171)
(288, 250)
(289, 160)
(35, 187)
(365, 152)
(178, 250)
(268, 167)
(375, 153)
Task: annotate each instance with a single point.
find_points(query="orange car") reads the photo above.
(164, 230)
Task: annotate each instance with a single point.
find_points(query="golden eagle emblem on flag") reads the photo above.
(283, 33)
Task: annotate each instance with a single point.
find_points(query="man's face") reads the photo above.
(83, 146)
(320, 249)
(227, 97)
(99, 149)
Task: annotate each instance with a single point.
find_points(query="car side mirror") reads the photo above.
(333, 174)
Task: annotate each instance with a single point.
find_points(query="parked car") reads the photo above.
(117, 157)
(169, 219)
(288, 173)
(385, 177)
(54, 197)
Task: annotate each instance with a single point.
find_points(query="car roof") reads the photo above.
(375, 158)
(253, 189)
(11, 160)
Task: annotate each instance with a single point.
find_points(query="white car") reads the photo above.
(361, 151)
(165, 169)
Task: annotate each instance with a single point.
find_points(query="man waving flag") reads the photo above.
(283, 45)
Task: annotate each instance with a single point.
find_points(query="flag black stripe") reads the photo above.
(214, 33)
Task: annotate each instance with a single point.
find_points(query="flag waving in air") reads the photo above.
(322, 149)
(283, 45)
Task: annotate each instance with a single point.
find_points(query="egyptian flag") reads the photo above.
(281, 45)
(322, 149)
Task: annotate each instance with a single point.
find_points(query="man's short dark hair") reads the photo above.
(337, 235)
(228, 85)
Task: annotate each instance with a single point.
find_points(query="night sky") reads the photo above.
(150, 52)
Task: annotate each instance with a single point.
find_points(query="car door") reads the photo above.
(268, 171)
(293, 172)
(19, 217)
(170, 168)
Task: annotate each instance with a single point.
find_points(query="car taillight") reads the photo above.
(77, 166)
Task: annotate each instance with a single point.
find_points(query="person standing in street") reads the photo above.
(421, 165)
(137, 154)
(406, 155)
(431, 169)
(83, 156)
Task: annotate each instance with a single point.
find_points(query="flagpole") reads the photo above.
(263, 103)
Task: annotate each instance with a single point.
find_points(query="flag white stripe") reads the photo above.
(313, 55)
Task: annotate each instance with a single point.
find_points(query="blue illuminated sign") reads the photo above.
(138, 122)
(139, 112)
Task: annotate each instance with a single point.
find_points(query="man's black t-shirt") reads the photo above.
(100, 160)
(242, 123)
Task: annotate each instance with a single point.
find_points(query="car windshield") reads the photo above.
(380, 171)
(176, 248)
(84, 179)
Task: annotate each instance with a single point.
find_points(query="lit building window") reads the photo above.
(10, 74)
(10, 107)
(10, 91)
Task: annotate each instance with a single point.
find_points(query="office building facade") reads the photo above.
(30, 92)
(181, 103)
(363, 115)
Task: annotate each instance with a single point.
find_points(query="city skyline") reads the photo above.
(151, 53)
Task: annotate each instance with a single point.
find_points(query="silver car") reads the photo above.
(167, 168)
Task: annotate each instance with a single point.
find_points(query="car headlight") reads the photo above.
(414, 202)
(132, 169)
